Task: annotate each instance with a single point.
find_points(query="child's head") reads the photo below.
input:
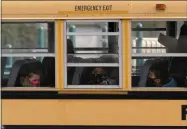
(98, 75)
(31, 80)
(159, 74)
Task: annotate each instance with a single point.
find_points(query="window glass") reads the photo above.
(26, 37)
(144, 35)
(149, 24)
(93, 54)
(28, 57)
(92, 26)
(159, 58)
(94, 49)
(27, 72)
(96, 76)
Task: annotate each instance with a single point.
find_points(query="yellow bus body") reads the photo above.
(66, 10)
(91, 112)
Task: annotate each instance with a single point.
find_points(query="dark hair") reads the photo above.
(160, 69)
(34, 67)
(34, 72)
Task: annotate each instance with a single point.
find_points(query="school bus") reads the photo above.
(93, 60)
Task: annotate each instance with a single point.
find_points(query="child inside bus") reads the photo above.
(31, 80)
(160, 76)
(100, 77)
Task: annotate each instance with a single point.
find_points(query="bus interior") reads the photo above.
(35, 51)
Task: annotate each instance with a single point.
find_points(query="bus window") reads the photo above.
(159, 56)
(93, 49)
(26, 49)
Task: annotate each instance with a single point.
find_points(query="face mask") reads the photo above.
(98, 78)
(35, 82)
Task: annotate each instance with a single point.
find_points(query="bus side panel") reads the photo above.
(60, 9)
(93, 112)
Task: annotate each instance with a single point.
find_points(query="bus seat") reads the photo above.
(49, 71)
(21, 68)
(3, 65)
(29, 67)
(70, 74)
(77, 75)
(71, 70)
(14, 72)
(144, 80)
(86, 75)
(113, 73)
(177, 69)
(144, 72)
(108, 59)
(135, 80)
(182, 40)
(4, 82)
(70, 49)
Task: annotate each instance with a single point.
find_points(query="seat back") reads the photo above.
(144, 73)
(31, 66)
(77, 74)
(14, 72)
(48, 64)
(145, 81)
(21, 68)
(177, 70)
(3, 65)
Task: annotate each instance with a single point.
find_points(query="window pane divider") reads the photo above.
(92, 34)
(86, 52)
(94, 86)
(148, 48)
(148, 29)
(95, 54)
(90, 21)
(19, 50)
(159, 55)
(93, 64)
(28, 55)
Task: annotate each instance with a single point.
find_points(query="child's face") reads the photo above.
(153, 77)
(98, 75)
(34, 80)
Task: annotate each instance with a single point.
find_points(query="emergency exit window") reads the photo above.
(93, 54)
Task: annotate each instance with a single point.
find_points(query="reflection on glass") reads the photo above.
(92, 54)
(25, 35)
(151, 37)
(147, 45)
(159, 72)
(93, 75)
(149, 24)
(93, 27)
(169, 70)
(93, 49)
